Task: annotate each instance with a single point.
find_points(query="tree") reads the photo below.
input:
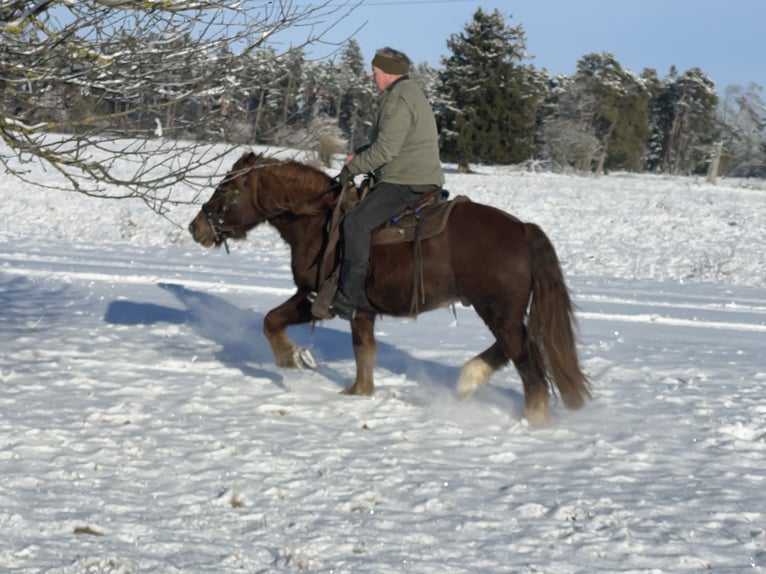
(356, 96)
(487, 106)
(284, 99)
(315, 124)
(568, 136)
(743, 124)
(684, 123)
(613, 107)
(78, 77)
(427, 78)
(654, 87)
(250, 100)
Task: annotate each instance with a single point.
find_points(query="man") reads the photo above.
(404, 157)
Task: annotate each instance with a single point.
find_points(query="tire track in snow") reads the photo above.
(677, 308)
(673, 321)
(218, 276)
(697, 306)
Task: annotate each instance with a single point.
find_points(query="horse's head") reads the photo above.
(231, 211)
(259, 189)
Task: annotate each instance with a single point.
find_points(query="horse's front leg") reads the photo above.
(294, 311)
(365, 349)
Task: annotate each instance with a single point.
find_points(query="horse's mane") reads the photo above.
(285, 185)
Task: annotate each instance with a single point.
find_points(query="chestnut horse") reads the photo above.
(508, 270)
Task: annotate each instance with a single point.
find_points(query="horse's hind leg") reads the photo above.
(527, 359)
(478, 370)
(529, 365)
(512, 344)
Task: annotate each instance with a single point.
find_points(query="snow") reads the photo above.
(145, 428)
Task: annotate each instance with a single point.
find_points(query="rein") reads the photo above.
(216, 220)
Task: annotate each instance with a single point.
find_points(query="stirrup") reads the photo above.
(321, 301)
(342, 306)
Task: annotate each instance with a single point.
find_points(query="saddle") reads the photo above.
(423, 221)
(426, 219)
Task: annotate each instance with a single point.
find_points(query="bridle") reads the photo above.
(215, 220)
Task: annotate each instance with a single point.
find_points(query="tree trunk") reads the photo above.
(463, 167)
(712, 172)
(670, 161)
(286, 103)
(604, 151)
(258, 112)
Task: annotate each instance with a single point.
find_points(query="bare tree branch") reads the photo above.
(84, 83)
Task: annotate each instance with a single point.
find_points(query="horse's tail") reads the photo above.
(551, 323)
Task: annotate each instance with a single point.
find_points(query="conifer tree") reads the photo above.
(616, 111)
(355, 114)
(487, 107)
(428, 79)
(654, 87)
(687, 125)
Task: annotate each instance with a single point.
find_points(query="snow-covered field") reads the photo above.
(145, 428)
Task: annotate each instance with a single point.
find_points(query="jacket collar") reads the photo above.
(394, 83)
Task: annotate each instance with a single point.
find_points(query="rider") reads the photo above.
(404, 158)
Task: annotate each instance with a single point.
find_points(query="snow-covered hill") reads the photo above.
(145, 428)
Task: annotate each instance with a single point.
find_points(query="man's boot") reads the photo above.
(342, 306)
(350, 294)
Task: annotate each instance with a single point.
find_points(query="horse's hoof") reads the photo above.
(464, 390)
(474, 374)
(537, 417)
(304, 359)
(354, 390)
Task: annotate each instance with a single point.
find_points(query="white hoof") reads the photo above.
(474, 374)
(304, 359)
(537, 417)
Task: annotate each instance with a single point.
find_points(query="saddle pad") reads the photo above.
(428, 222)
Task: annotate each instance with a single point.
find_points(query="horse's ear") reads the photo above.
(247, 159)
(256, 157)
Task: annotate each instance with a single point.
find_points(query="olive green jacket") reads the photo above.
(405, 144)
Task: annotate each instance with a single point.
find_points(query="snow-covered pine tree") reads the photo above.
(487, 105)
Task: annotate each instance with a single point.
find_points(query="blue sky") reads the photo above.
(725, 38)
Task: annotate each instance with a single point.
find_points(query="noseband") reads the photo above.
(215, 220)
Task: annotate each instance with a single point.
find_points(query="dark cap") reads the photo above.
(391, 62)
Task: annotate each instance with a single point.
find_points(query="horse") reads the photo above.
(508, 270)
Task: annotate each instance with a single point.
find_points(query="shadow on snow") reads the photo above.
(239, 332)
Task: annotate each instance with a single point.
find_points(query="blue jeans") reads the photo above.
(384, 201)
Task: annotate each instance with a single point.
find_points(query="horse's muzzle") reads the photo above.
(201, 231)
